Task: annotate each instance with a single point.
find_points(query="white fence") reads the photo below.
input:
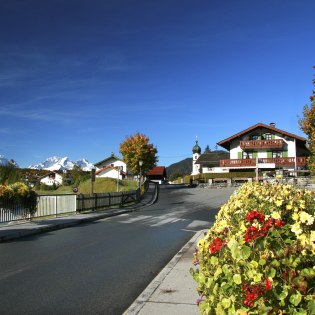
(47, 205)
(55, 204)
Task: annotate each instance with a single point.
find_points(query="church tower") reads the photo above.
(196, 153)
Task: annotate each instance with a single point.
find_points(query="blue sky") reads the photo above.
(78, 77)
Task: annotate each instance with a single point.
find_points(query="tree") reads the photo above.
(137, 148)
(77, 176)
(307, 125)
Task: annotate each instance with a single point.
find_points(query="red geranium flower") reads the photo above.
(255, 215)
(268, 284)
(216, 245)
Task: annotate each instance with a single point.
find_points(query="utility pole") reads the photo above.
(92, 179)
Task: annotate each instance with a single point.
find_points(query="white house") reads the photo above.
(111, 166)
(52, 178)
(260, 146)
(111, 172)
(266, 147)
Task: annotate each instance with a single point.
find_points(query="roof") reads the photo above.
(157, 171)
(213, 158)
(226, 142)
(107, 168)
(112, 156)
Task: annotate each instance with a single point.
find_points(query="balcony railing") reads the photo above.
(284, 161)
(262, 144)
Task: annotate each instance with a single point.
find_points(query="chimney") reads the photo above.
(272, 124)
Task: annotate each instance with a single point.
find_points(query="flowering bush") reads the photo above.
(258, 257)
(18, 194)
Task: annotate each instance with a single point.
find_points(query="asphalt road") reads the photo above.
(101, 267)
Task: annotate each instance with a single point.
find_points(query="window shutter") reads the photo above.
(239, 155)
(285, 154)
(269, 154)
(273, 137)
(255, 155)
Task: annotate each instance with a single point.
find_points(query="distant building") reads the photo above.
(50, 179)
(259, 146)
(112, 167)
(157, 174)
(196, 154)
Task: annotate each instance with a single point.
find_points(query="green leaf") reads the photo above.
(217, 272)
(201, 278)
(253, 264)
(275, 263)
(272, 272)
(209, 282)
(245, 252)
(226, 302)
(296, 298)
(282, 295)
(257, 277)
(311, 307)
(226, 269)
(237, 278)
(214, 261)
(262, 262)
(308, 273)
(232, 243)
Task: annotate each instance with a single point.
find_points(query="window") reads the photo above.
(248, 155)
(277, 154)
(254, 137)
(268, 136)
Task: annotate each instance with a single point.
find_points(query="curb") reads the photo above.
(145, 296)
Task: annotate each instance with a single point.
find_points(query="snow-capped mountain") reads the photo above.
(5, 162)
(56, 163)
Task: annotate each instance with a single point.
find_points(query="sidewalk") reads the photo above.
(172, 292)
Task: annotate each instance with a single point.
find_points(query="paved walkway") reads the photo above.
(172, 292)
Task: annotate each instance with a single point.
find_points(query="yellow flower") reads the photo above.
(312, 238)
(275, 215)
(279, 202)
(306, 218)
(296, 228)
(302, 204)
(289, 207)
(295, 216)
(302, 239)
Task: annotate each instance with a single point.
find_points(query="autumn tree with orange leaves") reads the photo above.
(307, 125)
(137, 148)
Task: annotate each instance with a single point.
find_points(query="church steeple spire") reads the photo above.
(196, 148)
(196, 153)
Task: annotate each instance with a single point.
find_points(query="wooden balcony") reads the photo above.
(262, 144)
(279, 162)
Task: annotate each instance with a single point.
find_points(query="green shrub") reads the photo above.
(258, 257)
(18, 194)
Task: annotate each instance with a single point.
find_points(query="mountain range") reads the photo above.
(64, 163)
(56, 163)
(183, 167)
(6, 162)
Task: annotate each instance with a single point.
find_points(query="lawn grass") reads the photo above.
(101, 185)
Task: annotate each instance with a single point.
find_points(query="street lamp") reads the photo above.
(140, 164)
